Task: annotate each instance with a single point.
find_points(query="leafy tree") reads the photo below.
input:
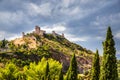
(43, 71)
(72, 71)
(95, 67)
(3, 43)
(9, 72)
(109, 62)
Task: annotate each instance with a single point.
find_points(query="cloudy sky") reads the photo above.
(82, 21)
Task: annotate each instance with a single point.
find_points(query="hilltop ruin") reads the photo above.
(40, 32)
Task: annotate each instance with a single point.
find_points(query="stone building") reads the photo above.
(62, 35)
(23, 34)
(39, 31)
(54, 34)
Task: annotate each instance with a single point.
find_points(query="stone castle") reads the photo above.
(39, 31)
(42, 32)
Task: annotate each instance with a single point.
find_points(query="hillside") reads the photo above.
(35, 45)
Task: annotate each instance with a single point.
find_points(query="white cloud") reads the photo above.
(99, 38)
(117, 35)
(75, 38)
(66, 3)
(43, 9)
(56, 27)
(12, 18)
(102, 22)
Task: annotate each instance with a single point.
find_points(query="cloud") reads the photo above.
(99, 38)
(59, 28)
(8, 35)
(101, 22)
(43, 9)
(117, 35)
(75, 38)
(10, 19)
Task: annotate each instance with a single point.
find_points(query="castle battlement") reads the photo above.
(40, 32)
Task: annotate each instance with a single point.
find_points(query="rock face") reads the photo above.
(83, 63)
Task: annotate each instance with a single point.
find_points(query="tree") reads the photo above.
(46, 69)
(47, 75)
(95, 67)
(109, 62)
(9, 72)
(72, 71)
(3, 43)
(60, 75)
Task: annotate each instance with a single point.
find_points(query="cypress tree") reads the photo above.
(95, 67)
(47, 76)
(4, 42)
(72, 71)
(60, 75)
(109, 62)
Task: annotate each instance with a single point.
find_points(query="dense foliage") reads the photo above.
(72, 71)
(95, 67)
(118, 66)
(45, 69)
(109, 62)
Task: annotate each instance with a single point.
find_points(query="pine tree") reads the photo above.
(109, 62)
(72, 71)
(4, 42)
(60, 75)
(47, 76)
(95, 67)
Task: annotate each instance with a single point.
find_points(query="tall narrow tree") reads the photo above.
(47, 76)
(60, 75)
(109, 62)
(72, 71)
(95, 67)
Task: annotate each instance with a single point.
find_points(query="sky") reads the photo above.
(82, 21)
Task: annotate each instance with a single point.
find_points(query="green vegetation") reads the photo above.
(95, 67)
(45, 69)
(3, 43)
(47, 57)
(118, 66)
(72, 71)
(60, 75)
(109, 62)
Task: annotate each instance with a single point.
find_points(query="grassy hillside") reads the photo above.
(32, 47)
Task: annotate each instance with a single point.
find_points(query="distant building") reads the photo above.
(54, 34)
(38, 31)
(62, 35)
(23, 34)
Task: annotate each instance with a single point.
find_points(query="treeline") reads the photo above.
(43, 70)
(108, 69)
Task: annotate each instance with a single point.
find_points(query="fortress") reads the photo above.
(40, 32)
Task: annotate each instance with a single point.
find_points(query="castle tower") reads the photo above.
(23, 34)
(62, 34)
(37, 29)
(53, 33)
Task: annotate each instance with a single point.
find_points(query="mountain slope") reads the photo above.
(32, 47)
